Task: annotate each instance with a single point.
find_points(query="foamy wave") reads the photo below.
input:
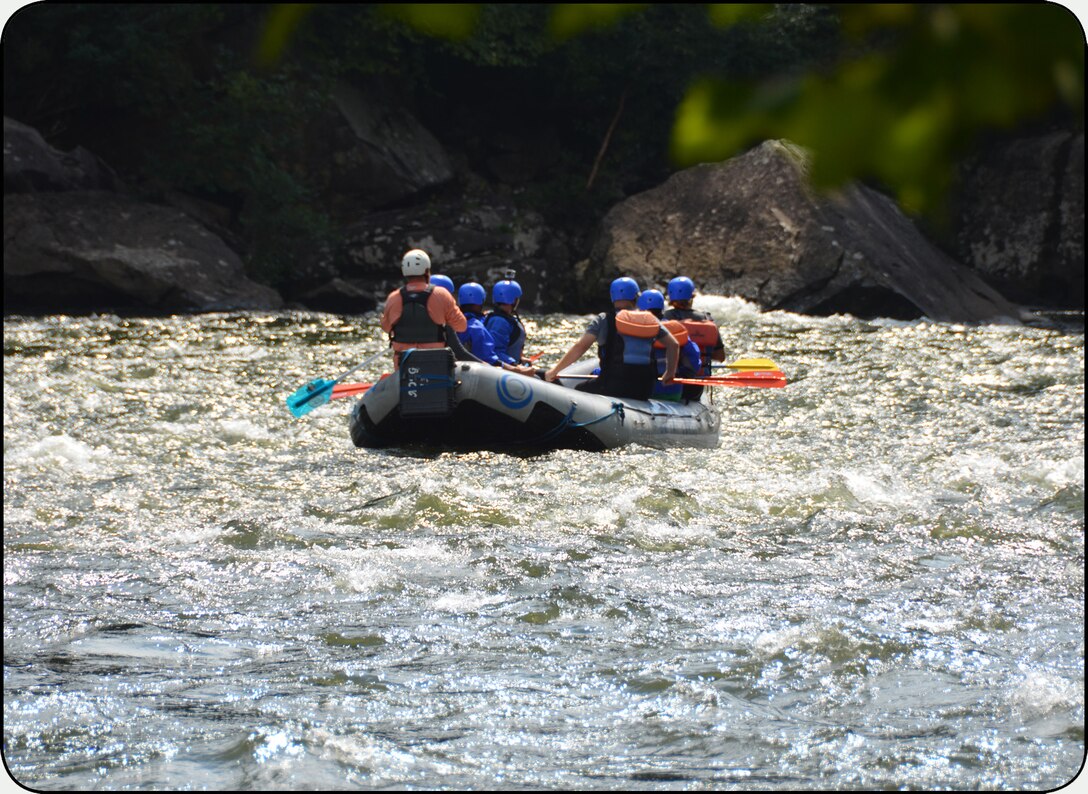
(247, 353)
(1041, 693)
(465, 602)
(978, 468)
(869, 490)
(1058, 473)
(59, 452)
(242, 430)
(726, 309)
(368, 579)
(380, 758)
(772, 643)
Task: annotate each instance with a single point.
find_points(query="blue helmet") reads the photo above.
(651, 299)
(471, 294)
(443, 281)
(624, 289)
(681, 288)
(506, 292)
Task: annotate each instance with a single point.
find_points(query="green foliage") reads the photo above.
(725, 14)
(159, 91)
(506, 35)
(282, 22)
(442, 20)
(923, 82)
(244, 140)
(61, 60)
(572, 19)
(225, 101)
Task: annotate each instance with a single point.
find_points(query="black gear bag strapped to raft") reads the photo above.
(426, 383)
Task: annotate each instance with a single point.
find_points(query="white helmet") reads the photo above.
(415, 263)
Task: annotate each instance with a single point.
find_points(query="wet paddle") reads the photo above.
(761, 379)
(749, 365)
(319, 391)
(349, 390)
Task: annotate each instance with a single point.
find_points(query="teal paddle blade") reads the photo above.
(313, 394)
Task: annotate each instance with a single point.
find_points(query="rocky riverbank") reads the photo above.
(77, 240)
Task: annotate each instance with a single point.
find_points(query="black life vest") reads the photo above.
(614, 354)
(415, 324)
(513, 348)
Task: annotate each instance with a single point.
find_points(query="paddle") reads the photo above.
(749, 364)
(349, 390)
(319, 391)
(761, 379)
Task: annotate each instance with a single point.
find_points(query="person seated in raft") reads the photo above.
(690, 363)
(625, 337)
(419, 314)
(700, 326)
(438, 280)
(476, 338)
(504, 324)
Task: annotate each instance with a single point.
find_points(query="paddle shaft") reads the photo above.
(766, 380)
(358, 367)
(317, 393)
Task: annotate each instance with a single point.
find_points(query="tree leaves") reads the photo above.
(922, 83)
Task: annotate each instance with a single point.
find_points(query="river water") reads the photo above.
(875, 581)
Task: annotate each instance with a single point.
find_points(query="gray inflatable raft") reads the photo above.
(433, 400)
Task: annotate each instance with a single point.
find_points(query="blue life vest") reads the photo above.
(509, 335)
(689, 365)
(477, 339)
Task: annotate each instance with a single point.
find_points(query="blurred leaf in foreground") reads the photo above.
(926, 80)
(572, 19)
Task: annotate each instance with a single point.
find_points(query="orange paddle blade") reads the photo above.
(349, 389)
(764, 379)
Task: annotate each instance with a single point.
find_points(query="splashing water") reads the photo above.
(876, 581)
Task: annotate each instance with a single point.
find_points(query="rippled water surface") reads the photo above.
(876, 581)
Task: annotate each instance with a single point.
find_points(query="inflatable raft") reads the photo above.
(434, 400)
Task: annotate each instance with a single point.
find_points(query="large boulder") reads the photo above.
(1020, 218)
(31, 164)
(368, 152)
(752, 227)
(94, 251)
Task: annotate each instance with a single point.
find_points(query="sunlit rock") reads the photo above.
(752, 227)
(80, 251)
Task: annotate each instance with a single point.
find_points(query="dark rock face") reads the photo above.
(370, 153)
(31, 164)
(1021, 218)
(752, 227)
(477, 242)
(93, 250)
(338, 296)
(749, 226)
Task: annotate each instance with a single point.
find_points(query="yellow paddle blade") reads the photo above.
(752, 364)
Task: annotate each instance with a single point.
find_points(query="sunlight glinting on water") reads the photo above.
(876, 580)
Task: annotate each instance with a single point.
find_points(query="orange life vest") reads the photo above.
(637, 323)
(677, 329)
(703, 332)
